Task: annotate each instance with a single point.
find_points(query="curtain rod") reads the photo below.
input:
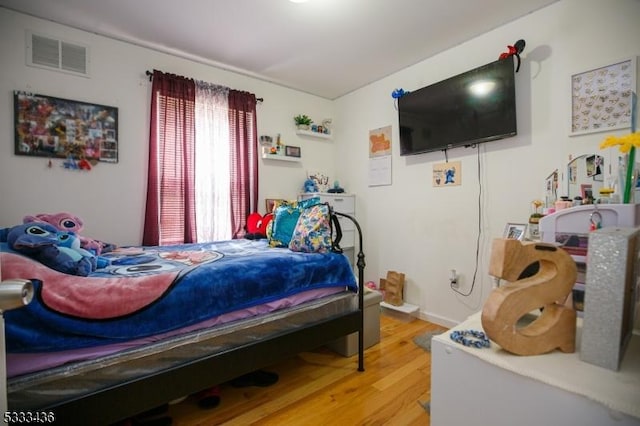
(150, 74)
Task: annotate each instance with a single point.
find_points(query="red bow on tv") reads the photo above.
(514, 50)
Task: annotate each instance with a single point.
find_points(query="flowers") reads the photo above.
(625, 142)
(628, 144)
(536, 215)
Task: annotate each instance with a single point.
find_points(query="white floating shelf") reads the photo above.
(279, 157)
(406, 308)
(313, 134)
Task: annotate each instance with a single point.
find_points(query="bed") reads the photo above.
(91, 350)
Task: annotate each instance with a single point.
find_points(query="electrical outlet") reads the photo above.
(453, 281)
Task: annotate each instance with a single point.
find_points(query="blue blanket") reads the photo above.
(151, 290)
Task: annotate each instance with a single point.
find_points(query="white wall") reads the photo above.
(409, 226)
(110, 198)
(424, 231)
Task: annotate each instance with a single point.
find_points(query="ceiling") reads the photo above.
(326, 48)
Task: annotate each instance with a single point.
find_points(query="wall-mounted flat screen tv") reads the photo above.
(476, 106)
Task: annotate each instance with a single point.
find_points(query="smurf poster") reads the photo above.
(447, 174)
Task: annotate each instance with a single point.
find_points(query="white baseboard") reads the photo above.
(437, 319)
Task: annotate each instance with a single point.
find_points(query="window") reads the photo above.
(202, 181)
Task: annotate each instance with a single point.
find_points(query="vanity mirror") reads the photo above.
(585, 176)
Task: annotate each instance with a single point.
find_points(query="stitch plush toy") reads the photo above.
(310, 185)
(67, 222)
(56, 249)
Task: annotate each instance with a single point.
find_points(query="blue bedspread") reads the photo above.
(151, 290)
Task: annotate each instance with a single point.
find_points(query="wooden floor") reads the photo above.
(323, 388)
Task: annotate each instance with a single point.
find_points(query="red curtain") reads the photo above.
(170, 208)
(244, 159)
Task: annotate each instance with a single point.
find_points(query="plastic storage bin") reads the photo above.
(348, 345)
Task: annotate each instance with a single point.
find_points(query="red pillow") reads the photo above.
(257, 224)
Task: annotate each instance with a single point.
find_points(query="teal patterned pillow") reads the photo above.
(313, 231)
(285, 218)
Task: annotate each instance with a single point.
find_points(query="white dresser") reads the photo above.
(491, 386)
(341, 203)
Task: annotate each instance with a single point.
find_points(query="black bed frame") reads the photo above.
(126, 399)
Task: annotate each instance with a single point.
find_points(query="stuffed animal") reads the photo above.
(67, 222)
(257, 225)
(56, 249)
(310, 185)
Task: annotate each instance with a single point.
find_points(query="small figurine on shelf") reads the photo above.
(326, 126)
(310, 185)
(266, 140)
(322, 181)
(336, 188)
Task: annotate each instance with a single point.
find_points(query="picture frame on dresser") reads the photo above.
(269, 203)
(515, 231)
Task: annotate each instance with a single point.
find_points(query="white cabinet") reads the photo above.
(341, 203)
(502, 389)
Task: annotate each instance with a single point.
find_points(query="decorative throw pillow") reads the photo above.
(285, 218)
(313, 231)
(257, 224)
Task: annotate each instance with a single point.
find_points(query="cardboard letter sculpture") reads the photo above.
(555, 328)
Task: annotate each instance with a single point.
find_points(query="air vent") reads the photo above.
(54, 54)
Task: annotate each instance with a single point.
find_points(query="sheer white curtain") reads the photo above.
(212, 174)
